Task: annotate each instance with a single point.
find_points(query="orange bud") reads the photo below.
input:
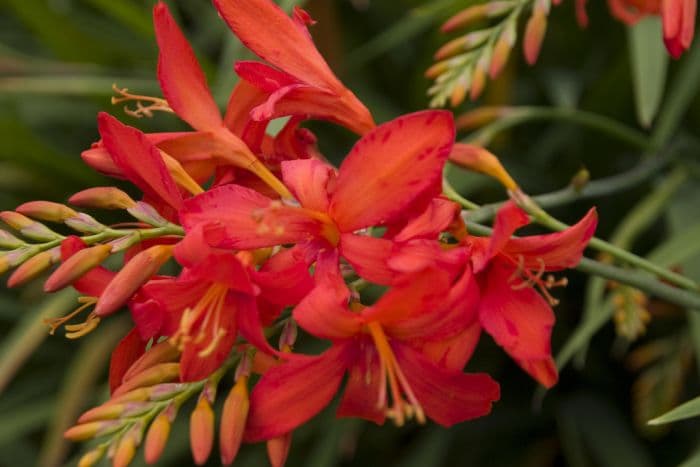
(437, 69)
(136, 395)
(162, 352)
(476, 13)
(126, 449)
(478, 159)
(34, 266)
(91, 430)
(462, 44)
(233, 420)
(501, 50)
(46, 211)
(92, 457)
(99, 159)
(157, 437)
(84, 223)
(132, 276)
(102, 197)
(180, 175)
(478, 82)
(534, 34)
(27, 227)
(202, 431)
(278, 449)
(147, 213)
(102, 412)
(459, 91)
(76, 267)
(163, 373)
(480, 116)
(9, 241)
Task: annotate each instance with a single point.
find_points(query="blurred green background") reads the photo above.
(58, 61)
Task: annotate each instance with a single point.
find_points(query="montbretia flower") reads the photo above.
(392, 171)
(299, 82)
(376, 346)
(511, 272)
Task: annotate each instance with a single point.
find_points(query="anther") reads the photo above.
(153, 103)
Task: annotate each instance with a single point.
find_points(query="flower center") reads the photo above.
(203, 321)
(405, 404)
(153, 104)
(74, 331)
(536, 278)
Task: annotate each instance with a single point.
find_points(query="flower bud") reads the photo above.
(91, 430)
(34, 266)
(46, 211)
(84, 223)
(9, 241)
(132, 276)
(477, 12)
(163, 373)
(501, 50)
(481, 116)
(478, 159)
(102, 197)
(278, 449)
(27, 227)
(99, 159)
(126, 449)
(202, 431)
(534, 34)
(462, 44)
(92, 457)
(147, 213)
(233, 420)
(163, 352)
(157, 437)
(478, 81)
(76, 267)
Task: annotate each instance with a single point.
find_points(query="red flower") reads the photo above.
(388, 377)
(393, 170)
(302, 83)
(509, 270)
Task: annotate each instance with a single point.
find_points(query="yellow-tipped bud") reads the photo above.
(157, 437)
(233, 420)
(163, 373)
(480, 116)
(132, 276)
(478, 159)
(478, 82)
(477, 12)
(501, 50)
(92, 457)
(202, 431)
(461, 44)
(111, 411)
(27, 227)
(534, 34)
(180, 175)
(46, 211)
(102, 197)
(278, 449)
(126, 449)
(34, 266)
(163, 352)
(147, 213)
(91, 430)
(77, 266)
(9, 241)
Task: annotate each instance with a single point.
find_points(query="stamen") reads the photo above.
(76, 330)
(536, 279)
(206, 316)
(403, 408)
(154, 103)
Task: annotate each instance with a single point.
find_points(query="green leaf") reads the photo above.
(649, 61)
(688, 410)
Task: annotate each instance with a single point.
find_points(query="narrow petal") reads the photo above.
(249, 322)
(267, 30)
(140, 160)
(289, 395)
(390, 167)
(94, 282)
(557, 251)
(264, 77)
(369, 257)
(308, 180)
(243, 99)
(127, 351)
(284, 279)
(520, 321)
(448, 397)
(430, 223)
(508, 219)
(181, 79)
(251, 220)
(454, 352)
(365, 380)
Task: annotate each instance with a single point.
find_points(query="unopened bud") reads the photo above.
(163, 373)
(180, 175)
(34, 266)
(132, 276)
(462, 44)
(288, 336)
(581, 179)
(46, 211)
(27, 227)
(157, 437)
(77, 266)
(113, 411)
(278, 449)
(126, 449)
(147, 213)
(163, 352)
(481, 116)
(233, 420)
(91, 430)
(92, 457)
(102, 197)
(501, 50)
(437, 69)
(9, 241)
(478, 81)
(202, 431)
(84, 223)
(478, 159)
(477, 12)
(534, 34)
(99, 159)
(459, 91)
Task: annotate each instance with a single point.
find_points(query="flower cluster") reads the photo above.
(280, 240)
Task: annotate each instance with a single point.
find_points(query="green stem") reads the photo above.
(635, 279)
(520, 115)
(452, 194)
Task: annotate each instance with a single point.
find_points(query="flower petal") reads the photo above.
(454, 352)
(288, 395)
(390, 168)
(265, 29)
(308, 180)
(508, 219)
(140, 160)
(448, 397)
(560, 250)
(520, 321)
(438, 215)
(369, 256)
(364, 382)
(181, 79)
(127, 351)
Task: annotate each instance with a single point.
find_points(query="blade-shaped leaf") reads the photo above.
(649, 61)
